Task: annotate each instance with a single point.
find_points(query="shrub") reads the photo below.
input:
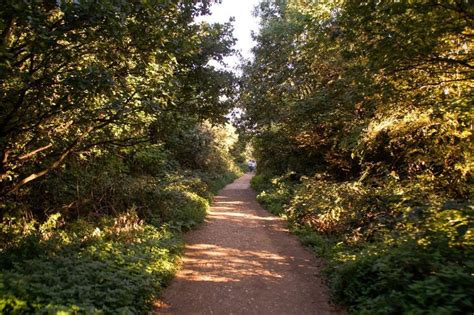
(396, 247)
(116, 266)
(404, 279)
(275, 196)
(152, 160)
(182, 209)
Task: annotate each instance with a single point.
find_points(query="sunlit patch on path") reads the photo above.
(244, 261)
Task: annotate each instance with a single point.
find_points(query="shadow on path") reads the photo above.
(244, 261)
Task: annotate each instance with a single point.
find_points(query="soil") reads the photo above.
(243, 260)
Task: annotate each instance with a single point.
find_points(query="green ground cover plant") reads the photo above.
(116, 266)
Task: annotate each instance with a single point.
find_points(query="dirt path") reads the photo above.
(244, 261)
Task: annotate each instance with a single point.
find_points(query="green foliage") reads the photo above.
(396, 249)
(346, 99)
(152, 160)
(94, 255)
(323, 245)
(405, 279)
(116, 266)
(273, 196)
(372, 114)
(242, 150)
(180, 208)
(85, 77)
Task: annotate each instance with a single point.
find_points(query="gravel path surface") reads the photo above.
(244, 261)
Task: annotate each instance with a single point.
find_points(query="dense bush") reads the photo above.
(406, 278)
(274, 192)
(392, 249)
(181, 208)
(102, 234)
(115, 266)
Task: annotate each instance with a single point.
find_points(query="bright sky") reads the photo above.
(244, 24)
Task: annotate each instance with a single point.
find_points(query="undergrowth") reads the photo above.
(392, 249)
(115, 266)
(102, 237)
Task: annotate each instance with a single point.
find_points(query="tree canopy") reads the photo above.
(357, 83)
(78, 75)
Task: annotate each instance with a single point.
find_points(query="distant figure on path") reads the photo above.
(251, 164)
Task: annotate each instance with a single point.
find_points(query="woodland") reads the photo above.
(362, 129)
(116, 131)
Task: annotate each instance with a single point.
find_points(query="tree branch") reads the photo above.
(28, 155)
(54, 165)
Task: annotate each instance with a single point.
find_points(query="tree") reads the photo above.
(91, 74)
(347, 68)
